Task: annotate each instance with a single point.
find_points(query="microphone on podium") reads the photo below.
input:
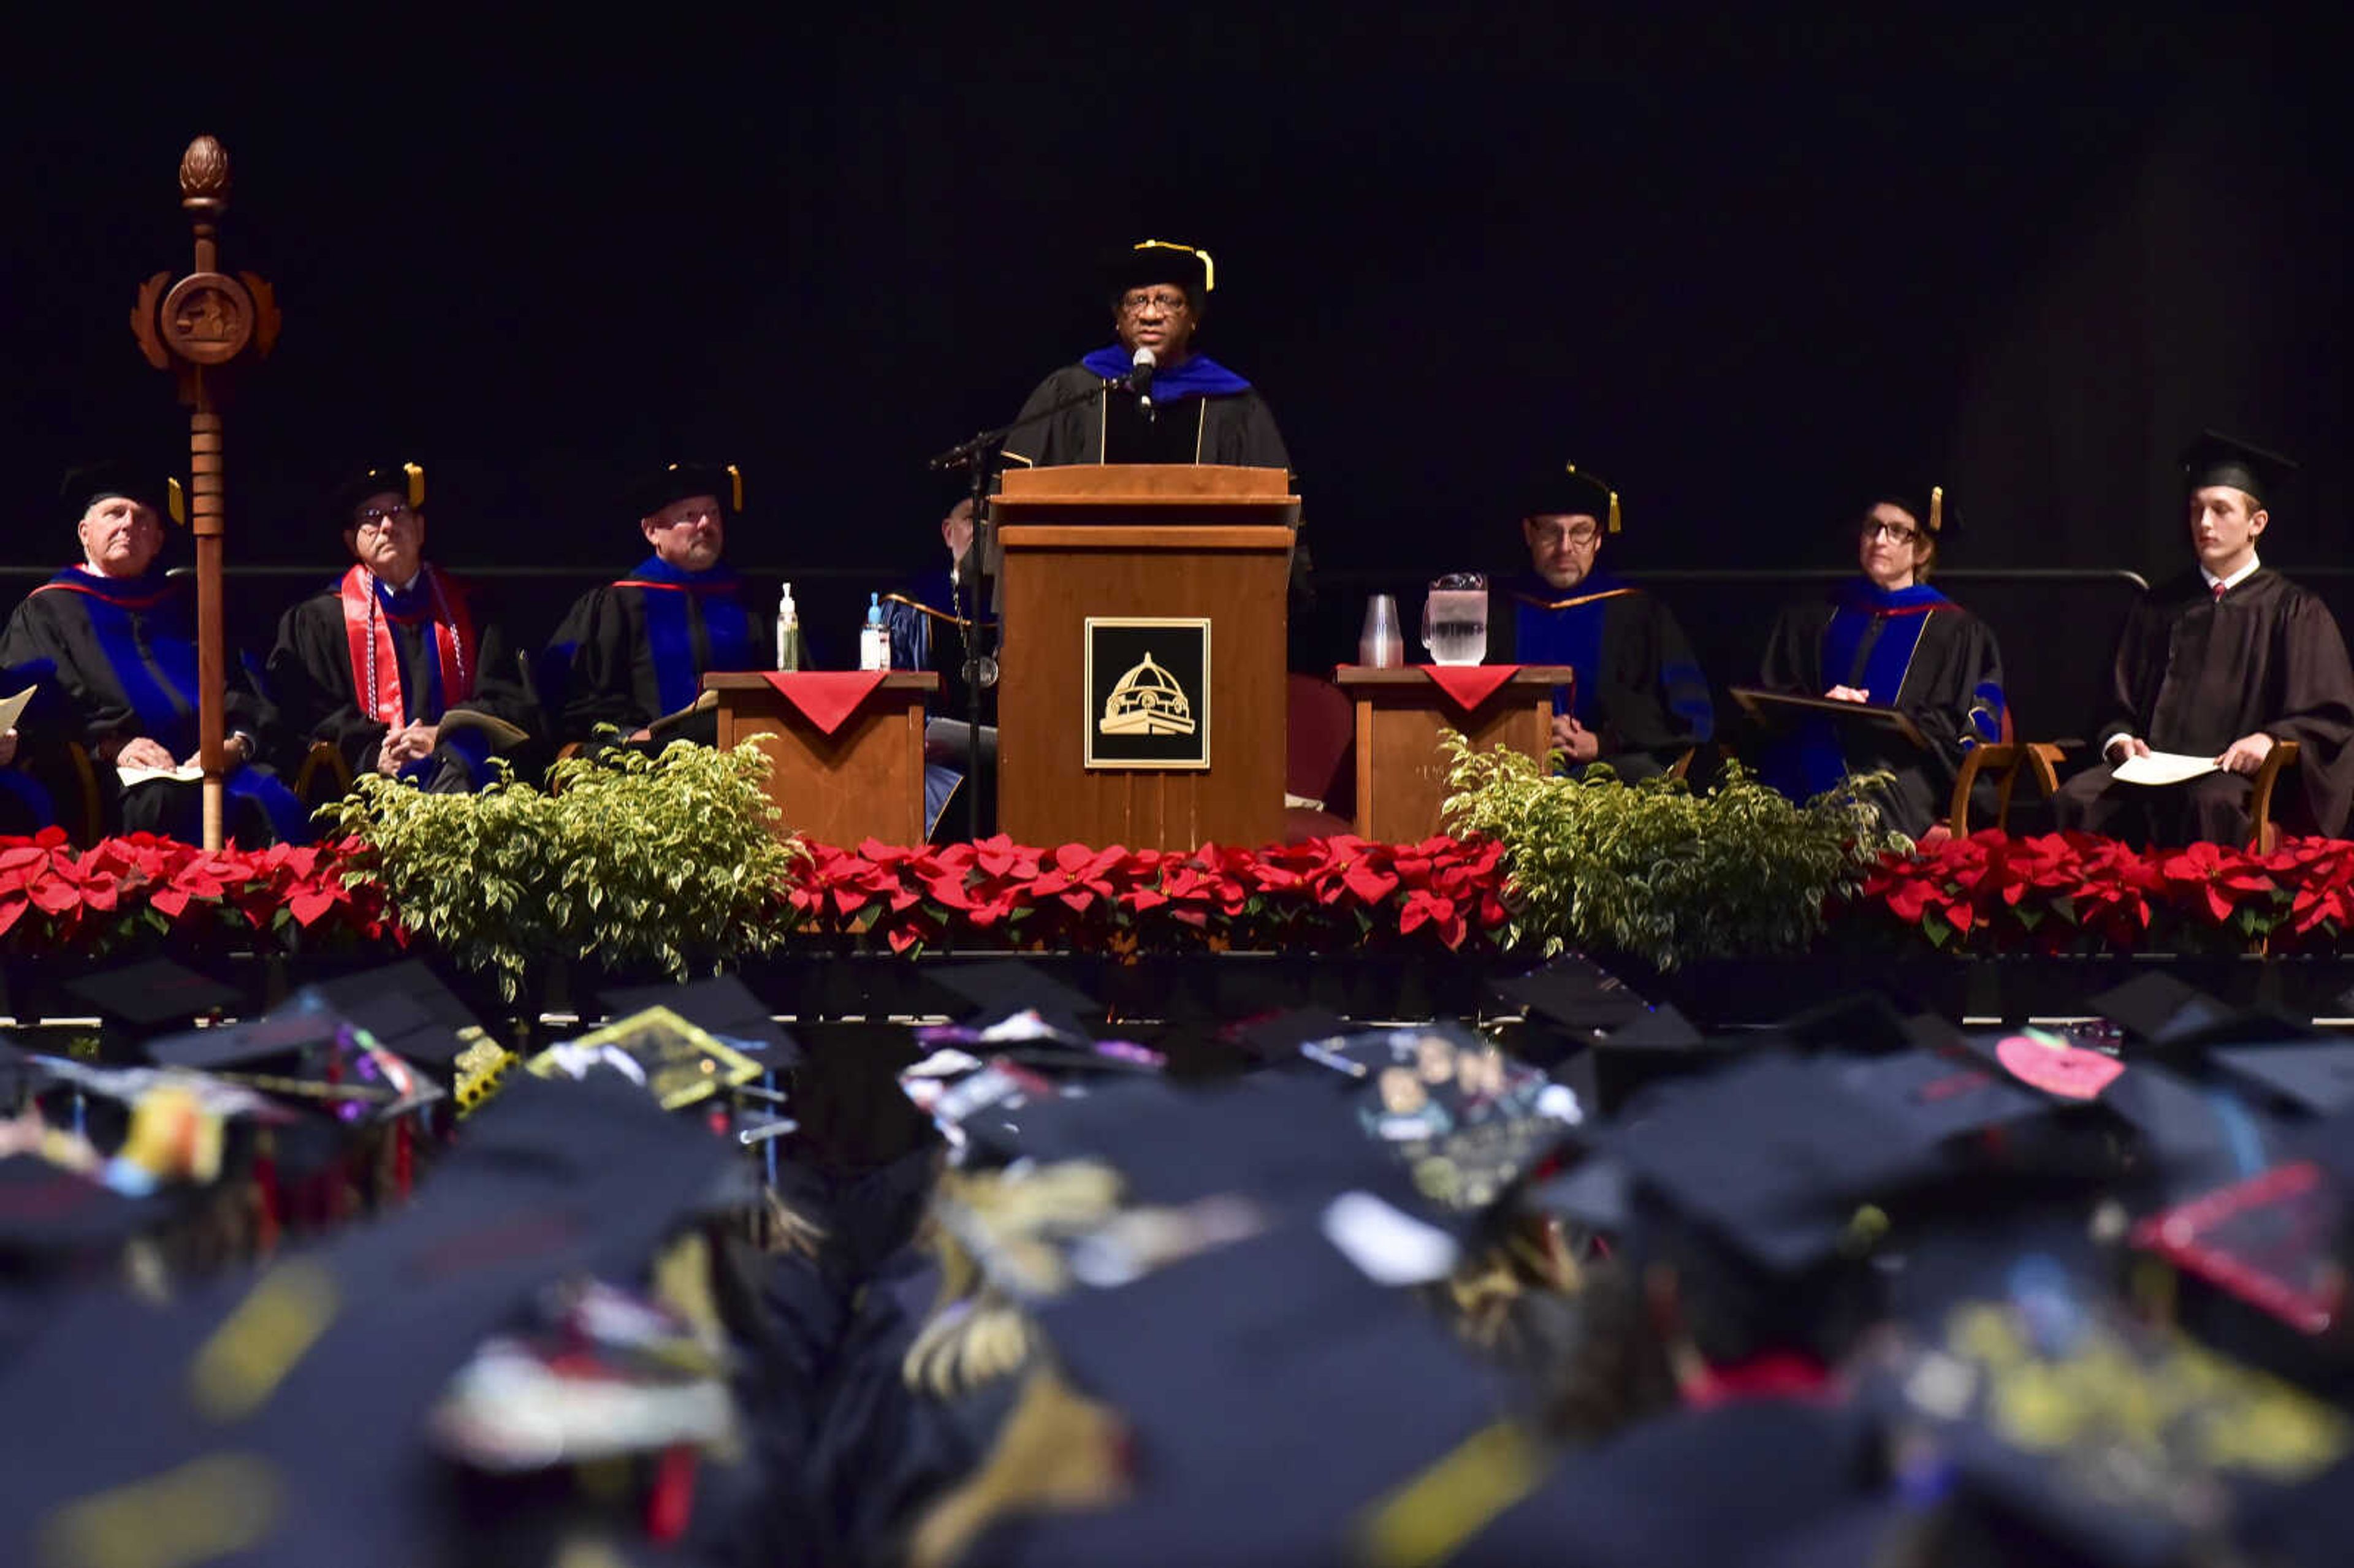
(1140, 376)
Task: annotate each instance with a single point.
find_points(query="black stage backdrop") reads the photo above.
(1748, 268)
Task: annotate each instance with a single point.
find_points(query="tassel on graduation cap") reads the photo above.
(175, 502)
(1610, 524)
(416, 483)
(736, 488)
(1937, 507)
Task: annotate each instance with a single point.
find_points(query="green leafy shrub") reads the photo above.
(1655, 870)
(663, 862)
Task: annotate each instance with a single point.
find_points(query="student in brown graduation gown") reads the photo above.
(2223, 661)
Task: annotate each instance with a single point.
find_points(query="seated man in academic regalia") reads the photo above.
(1198, 410)
(2221, 662)
(1887, 638)
(1640, 700)
(118, 637)
(633, 654)
(375, 663)
(929, 630)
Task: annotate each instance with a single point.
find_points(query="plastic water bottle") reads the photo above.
(874, 638)
(788, 632)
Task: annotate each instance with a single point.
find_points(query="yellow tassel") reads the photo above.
(1610, 524)
(1058, 1452)
(735, 480)
(1614, 512)
(175, 502)
(416, 483)
(1937, 507)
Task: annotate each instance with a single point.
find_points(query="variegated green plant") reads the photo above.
(1654, 870)
(664, 861)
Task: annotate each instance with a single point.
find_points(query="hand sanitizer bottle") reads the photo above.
(874, 638)
(788, 632)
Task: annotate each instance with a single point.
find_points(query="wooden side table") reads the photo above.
(1401, 773)
(864, 780)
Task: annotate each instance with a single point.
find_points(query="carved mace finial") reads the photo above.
(204, 177)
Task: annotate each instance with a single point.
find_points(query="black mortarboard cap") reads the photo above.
(154, 487)
(405, 480)
(1656, 1045)
(408, 1010)
(999, 989)
(2218, 459)
(1566, 490)
(1225, 1367)
(1277, 1036)
(679, 480)
(2162, 1010)
(1859, 1021)
(2317, 1077)
(1772, 1156)
(1151, 263)
(307, 1051)
(1575, 994)
(722, 1004)
(153, 994)
(1934, 1097)
(51, 1212)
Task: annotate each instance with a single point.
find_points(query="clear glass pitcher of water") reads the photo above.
(1455, 619)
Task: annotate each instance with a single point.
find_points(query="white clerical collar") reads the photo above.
(2235, 580)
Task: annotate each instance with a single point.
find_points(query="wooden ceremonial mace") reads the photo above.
(202, 323)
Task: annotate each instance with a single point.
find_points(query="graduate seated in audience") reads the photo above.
(118, 636)
(1888, 639)
(2221, 663)
(633, 654)
(1640, 702)
(378, 664)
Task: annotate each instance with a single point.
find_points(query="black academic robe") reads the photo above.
(1230, 428)
(2194, 674)
(311, 678)
(1913, 650)
(636, 649)
(1639, 688)
(122, 655)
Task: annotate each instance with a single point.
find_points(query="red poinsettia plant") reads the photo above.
(57, 898)
(1341, 892)
(2054, 892)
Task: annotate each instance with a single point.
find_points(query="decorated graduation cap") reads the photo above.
(680, 480)
(405, 480)
(1152, 261)
(1563, 489)
(2218, 459)
(157, 489)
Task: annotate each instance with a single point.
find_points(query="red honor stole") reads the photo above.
(376, 666)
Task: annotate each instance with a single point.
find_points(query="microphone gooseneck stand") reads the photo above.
(979, 456)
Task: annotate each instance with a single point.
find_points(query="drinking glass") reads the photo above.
(1380, 645)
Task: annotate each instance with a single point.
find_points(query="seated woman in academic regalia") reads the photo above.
(1639, 701)
(120, 637)
(375, 663)
(633, 654)
(1888, 639)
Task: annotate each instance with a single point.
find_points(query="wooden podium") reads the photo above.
(864, 780)
(1401, 773)
(1141, 563)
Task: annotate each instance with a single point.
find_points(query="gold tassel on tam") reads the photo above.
(736, 488)
(175, 502)
(1058, 1451)
(416, 483)
(1937, 507)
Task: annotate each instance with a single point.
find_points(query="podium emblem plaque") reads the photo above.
(1148, 692)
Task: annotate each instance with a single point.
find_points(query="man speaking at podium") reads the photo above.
(1183, 407)
(1176, 406)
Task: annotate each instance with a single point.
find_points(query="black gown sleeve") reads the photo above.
(2316, 711)
(2135, 672)
(594, 645)
(1642, 645)
(310, 675)
(1793, 660)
